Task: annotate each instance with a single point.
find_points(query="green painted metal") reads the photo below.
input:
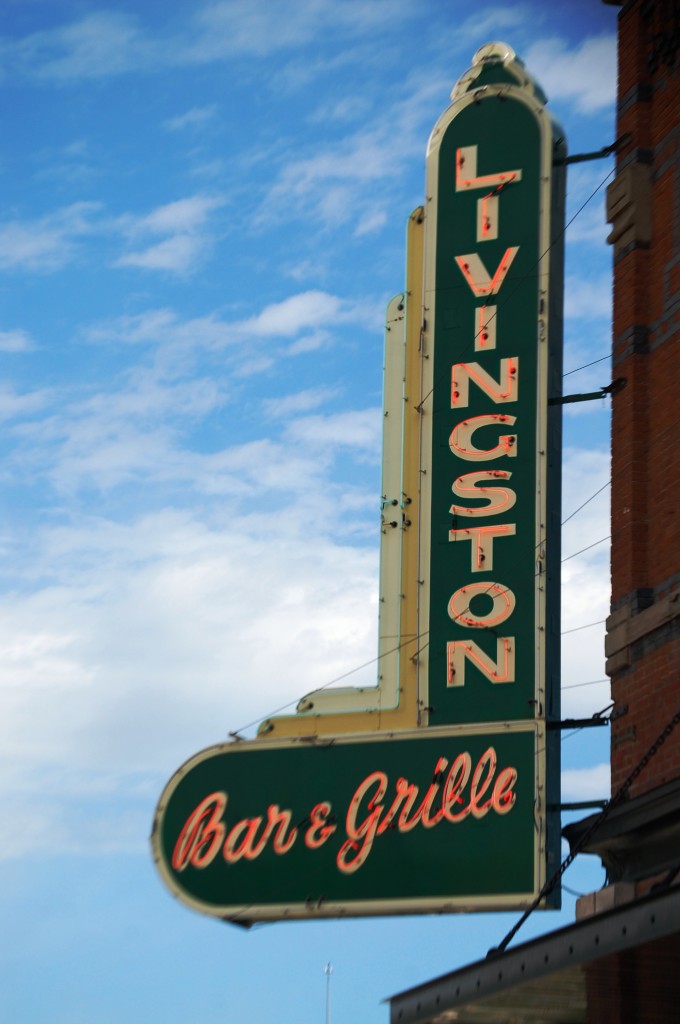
(366, 864)
(509, 136)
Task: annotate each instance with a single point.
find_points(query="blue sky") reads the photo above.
(203, 218)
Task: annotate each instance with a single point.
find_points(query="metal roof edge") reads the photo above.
(651, 917)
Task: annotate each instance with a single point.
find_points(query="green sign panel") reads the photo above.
(493, 285)
(356, 825)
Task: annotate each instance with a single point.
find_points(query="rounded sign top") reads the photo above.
(497, 64)
(494, 51)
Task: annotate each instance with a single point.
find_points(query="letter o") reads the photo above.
(503, 605)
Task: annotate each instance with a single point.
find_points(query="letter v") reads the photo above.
(477, 276)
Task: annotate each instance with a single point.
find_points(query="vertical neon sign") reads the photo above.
(449, 762)
(490, 553)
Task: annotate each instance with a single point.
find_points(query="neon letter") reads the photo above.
(466, 172)
(482, 555)
(479, 785)
(319, 830)
(487, 217)
(367, 829)
(202, 835)
(456, 781)
(503, 390)
(280, 820)
(499, 499)
(461, 444)
(502, 670)
(504, 798)
(485, 328)
(478, 277)
(247, 847)
(503, 605)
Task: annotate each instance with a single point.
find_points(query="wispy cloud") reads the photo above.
(184, 221)
(55, 239)
(15, 341)
(588, 299)
(587, 783)
(48, 242)
(302, 401)
(337, 183)
(191, 119)
(178, 255)
(585, 577)
(14, 405)
(100, 44)
(584, 76)
(301, 317)
(107, 43)
(299, 312)
(360, 430)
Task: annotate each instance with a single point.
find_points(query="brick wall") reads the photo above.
(644, 630)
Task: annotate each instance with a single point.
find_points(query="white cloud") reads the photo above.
(302, 401)
(100, 44)
(337, 183)
(107, 43)
(233, 27)
(131, 432)
(182, 215)
(355, 429)
(585, 76)
(307, 317)
(178, 255)
(161, 325)
(15, 341)
(15, 406)
(587, 299)
(53, 240)
(373, 221)
(310, 343)
(47, 243)
(591, 783)
(348, 108)
(299, 312)
(585, 579)
(184, 221)
(191, 118)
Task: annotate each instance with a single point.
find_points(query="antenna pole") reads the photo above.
(328, 970)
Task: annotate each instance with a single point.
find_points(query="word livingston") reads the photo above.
(457, 791)
(490, 484)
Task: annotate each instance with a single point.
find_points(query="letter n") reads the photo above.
(500, 671)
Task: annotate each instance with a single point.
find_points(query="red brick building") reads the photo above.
(643, 642)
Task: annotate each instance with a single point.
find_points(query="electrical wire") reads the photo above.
(413, 638)
(587, 626)
(587, 502)
(586, 365)
(593, 545)
(591, 682)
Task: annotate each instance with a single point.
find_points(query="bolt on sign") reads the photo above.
(429, 792)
